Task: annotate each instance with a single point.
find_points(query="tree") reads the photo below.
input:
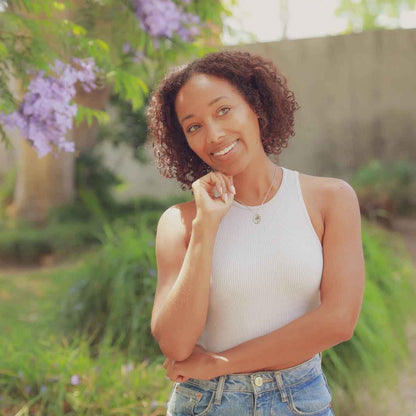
(373, 14)
(59, 51)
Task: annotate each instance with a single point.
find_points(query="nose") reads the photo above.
(215, 132)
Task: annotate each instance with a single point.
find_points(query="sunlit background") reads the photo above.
(271, 20)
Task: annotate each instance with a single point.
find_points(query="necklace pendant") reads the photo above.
(256, 218)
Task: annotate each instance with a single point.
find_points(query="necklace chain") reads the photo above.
(257, 217)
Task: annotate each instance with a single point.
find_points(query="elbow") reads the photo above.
(347, 333)
(170, 349)
(343, 326)
(173, 352)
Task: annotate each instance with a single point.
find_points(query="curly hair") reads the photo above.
(258, 80)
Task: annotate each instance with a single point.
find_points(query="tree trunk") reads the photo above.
(43, 183)
(48, 182)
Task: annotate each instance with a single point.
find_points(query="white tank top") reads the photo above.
(263, 275)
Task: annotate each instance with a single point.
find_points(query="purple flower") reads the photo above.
(138, 57)
(126, 47)
(163, 18)
(46, 112)
(127, 368)
(75, 380)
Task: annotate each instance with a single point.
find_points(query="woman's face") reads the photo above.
(215, 117)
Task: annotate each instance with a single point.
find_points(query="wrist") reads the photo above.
(220, 365)
(204, 224)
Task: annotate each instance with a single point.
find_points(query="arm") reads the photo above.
(342, 289)
(182, 294)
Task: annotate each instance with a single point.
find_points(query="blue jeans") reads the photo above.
(299, 390)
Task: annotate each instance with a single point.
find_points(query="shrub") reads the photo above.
(386, 189)
(379, 345)
(27, 245)
(112, 298)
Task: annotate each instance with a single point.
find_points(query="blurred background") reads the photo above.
(80, 195)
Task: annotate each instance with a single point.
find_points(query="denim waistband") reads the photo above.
(259, 381)
(256, 382)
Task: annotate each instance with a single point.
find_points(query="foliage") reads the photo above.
(7, 183)
(378, 348)
(386, 189)
(113, 300)
(28, 245)
(47, 368)
(94, 201)
(46, 112)
(372, 14)
(121, 282)
(44, 374)
(126, 126)
(35, 34)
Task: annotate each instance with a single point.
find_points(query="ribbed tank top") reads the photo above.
(263, 275)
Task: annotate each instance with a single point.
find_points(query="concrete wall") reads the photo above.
(357, 94)
(357, 102)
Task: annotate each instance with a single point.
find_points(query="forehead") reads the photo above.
(202, 88)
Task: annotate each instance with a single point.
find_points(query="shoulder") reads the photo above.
(330, 193)
(178, 219)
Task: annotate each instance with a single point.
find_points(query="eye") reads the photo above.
(222, 109)
(190, 128)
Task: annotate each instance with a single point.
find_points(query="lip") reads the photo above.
(230, 153)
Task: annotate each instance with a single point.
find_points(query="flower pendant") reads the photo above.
(257, 219)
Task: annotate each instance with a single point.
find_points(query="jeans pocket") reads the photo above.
(190, 399)
(310, 397)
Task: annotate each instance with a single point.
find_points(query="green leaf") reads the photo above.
(88, 114)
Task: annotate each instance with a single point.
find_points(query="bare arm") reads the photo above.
(182, 294)
(342, 290)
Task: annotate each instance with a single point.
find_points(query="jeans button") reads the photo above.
(258, 381)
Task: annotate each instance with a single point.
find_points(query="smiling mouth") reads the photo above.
(226, 149)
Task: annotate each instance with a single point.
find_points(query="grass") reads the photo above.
(42, 373)
(47, 370)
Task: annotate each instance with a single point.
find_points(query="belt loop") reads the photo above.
(219, 390)
(280, 385)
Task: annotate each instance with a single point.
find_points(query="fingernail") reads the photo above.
(225, 197)
(233, 189)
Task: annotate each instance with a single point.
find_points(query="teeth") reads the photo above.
(226, 150)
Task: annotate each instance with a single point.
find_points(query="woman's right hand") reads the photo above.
(208, 205)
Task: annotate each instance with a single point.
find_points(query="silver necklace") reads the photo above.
(257, 217)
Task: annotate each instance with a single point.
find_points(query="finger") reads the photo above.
(214, 182)
(224, 187)
(230, 184)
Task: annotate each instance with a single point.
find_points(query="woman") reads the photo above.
(264, 269)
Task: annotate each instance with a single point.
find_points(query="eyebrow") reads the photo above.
(210, 103)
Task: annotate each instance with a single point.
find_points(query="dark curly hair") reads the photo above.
(257, 79)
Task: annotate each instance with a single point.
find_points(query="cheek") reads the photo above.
(196, 147)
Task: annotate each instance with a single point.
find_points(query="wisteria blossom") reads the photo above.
(75, 380)
(136, 56)
(46, 112)
(163, 18)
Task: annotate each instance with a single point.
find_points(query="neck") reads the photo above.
(254, 181)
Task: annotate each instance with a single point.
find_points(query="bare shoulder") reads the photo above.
(178, 218)
(326, 192)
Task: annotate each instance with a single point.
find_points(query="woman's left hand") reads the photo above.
(200, 364)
